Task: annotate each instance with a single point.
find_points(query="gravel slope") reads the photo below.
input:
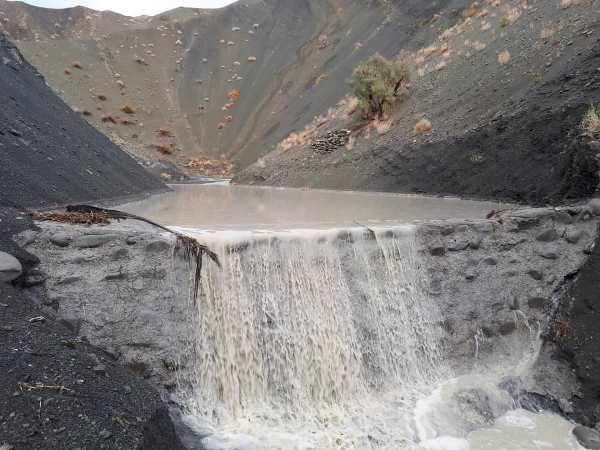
(505, 105)
(49, 154)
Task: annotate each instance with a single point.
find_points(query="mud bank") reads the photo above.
(497, 283)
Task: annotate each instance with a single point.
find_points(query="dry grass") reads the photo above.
(423, 126)
(164, 149)
(591, 120)
(73, 218)
(110, 119)
(128, 109)
(504, 57)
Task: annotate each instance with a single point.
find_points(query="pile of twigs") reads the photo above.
(193, 251)
(73, 218)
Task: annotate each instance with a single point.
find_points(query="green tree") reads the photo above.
(379, 84)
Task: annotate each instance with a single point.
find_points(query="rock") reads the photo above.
(536, 302)
(564, 217)
(490, 261)
(439, 250)
(565, 406)
(122, 253)
(94, 240)
(594, 206)
(574, 236)
(99, 369)
(158, 246)
(475, 243)
(470, 275)
(60, 239)
(105, 434)
(535, 274)
(507, 328)
(549, 235)
(10, 268)
(587, 437)
(131, 240)
(117, 276)
(514, 304)
(35, 278)
(548, 254)
(27, 237)
(458, 246)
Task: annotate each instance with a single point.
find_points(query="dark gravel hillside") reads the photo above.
(49, 154)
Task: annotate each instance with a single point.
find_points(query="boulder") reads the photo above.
(10, 268)
(594, 206)
(549, 235)
(587, 437)
(94, 240)
(60, 239)
(574, 236)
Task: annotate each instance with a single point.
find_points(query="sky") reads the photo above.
(131, 7)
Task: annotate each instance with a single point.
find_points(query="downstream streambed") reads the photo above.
(338, 320)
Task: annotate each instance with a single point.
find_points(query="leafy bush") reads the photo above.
(379, 84)
(591, 119)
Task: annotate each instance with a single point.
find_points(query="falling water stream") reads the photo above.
(323, 338)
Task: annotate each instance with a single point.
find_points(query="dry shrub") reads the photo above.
(128, 109)
(428, 51)
(101, 97)
(165, 149)
(109, 118)
(591, 120)
(126, 122)
(320, 79)
(164, 132)
(141, 61)
(87, 113)
(220, 126)
(233, 95)
(73, 218)
(469, 12)
(504, 57)
(67, 72)
(210, 167)
(423, 126)
(77, 65)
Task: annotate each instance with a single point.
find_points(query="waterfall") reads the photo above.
(300, 322)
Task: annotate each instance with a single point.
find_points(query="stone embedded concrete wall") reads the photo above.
(120, 287)
(497, 283)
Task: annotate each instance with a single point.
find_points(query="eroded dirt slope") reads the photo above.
(50, 155)
(289, 60)
(504, 89)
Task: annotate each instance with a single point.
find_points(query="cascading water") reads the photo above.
(320, 332)
(327, 339)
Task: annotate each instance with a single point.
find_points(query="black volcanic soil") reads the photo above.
(49, 154)
(103, 406)
(57, 391)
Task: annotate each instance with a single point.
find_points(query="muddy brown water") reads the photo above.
(227, 207)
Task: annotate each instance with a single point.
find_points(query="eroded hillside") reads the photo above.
(495, 110)
(224, 84)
